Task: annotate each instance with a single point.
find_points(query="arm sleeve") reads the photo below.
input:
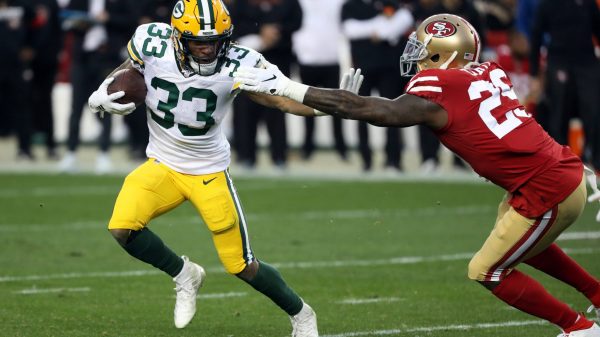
(134, 45)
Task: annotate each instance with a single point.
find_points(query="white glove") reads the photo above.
(268, 80)
(592, 181)
(100, 101)
(351, 81)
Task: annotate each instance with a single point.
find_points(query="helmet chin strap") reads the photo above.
(449, 60)
(206, 69)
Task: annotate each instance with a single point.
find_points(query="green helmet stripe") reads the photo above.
(200, 13)
(212, 14)
(206, 14)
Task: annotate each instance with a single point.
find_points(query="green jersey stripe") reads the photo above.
(134, 55)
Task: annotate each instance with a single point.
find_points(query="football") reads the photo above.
(132, 83)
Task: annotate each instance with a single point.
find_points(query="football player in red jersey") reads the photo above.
(474, 111)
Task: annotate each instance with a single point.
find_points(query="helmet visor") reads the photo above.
(413, 53)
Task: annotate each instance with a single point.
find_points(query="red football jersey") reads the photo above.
(490, 129)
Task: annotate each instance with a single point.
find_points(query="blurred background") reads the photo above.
(56, 52)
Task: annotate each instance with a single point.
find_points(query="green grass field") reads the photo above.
(372, 258)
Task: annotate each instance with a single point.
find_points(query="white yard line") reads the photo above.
(253, 185)
(355, 301)
(579, 236)
(222, 295)
(459, 327)
(36, 291)
(57, 191)
(296, 265)
(311, 215)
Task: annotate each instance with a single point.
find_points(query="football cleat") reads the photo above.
(597, 310)
(187, 283)
(304, 323)
(593, 331)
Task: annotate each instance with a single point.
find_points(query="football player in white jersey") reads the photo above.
(188, 69)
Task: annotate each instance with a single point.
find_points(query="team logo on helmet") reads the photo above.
(178, 9)
(440, 29)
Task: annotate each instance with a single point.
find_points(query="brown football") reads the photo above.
(132, 83)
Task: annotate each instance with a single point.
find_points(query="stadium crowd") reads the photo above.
(551, 59)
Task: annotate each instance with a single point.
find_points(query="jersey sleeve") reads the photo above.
(134, 46)
(149, 40)
(239, 55)
(427, 84)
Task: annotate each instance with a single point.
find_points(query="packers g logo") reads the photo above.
(178, 9)
(440, 29)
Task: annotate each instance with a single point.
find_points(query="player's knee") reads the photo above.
(249, 272)
(121, 235)
(475, 271)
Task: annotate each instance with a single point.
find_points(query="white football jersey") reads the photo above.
(185, 113)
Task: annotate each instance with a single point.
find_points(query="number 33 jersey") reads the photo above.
(185, 112)
(490, 129)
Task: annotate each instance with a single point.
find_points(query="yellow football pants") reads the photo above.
(516, 238)
(153, 189)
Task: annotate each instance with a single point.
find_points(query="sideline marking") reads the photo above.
(299, 265)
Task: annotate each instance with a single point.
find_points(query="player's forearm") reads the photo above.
(292, 107)
(344, 104)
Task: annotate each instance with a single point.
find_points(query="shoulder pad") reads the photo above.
(146, 42)
(239, 55)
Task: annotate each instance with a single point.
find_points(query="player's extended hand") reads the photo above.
(269, 80)
(100, 101)
(351, 81)
(592, 181)
(266, 80)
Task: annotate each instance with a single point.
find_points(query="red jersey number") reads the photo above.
(497, 88)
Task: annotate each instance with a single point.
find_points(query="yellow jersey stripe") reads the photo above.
(133, 53)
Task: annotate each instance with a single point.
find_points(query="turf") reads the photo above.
(399, 249)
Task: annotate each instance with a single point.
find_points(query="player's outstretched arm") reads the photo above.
(351, 81)
(405, 110)
(282, 103)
